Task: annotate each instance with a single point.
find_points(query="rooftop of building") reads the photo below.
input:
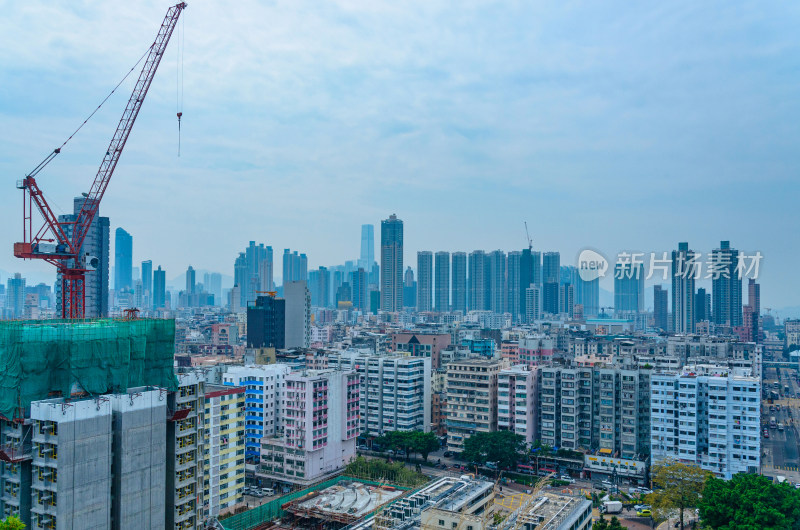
(550, 511)
(343, 502)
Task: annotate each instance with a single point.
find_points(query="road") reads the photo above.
(781, 451)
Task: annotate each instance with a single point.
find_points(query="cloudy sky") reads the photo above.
(611, 125)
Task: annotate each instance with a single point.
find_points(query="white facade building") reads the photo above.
(707, 415)
(518, 401)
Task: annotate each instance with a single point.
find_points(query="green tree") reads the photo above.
(602, 524)
(503, 447)
(12, 523)
(768, 505)
(678, 487)
(424, 443)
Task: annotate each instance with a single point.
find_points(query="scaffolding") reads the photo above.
(40, 359)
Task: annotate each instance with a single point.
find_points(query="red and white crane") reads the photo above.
(59, 244)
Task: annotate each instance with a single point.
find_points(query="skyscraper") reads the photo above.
(295, 266)
(566, 297)
(514, 285)
(392, 264)
(214, 286)
(147, 281)
(96, 244)
(726, 286)
(367, 247)
(551, 279)
(409, 288)
(496, 286)
(15, 296)
(441, 287)
(587, 294)
(628, 288)
(297, 314)
(123, 260)
(460, 281)
(530, 273)
(358, 286)
(702, 305)
(191, 280)
(266, 323)
(684, 272)
(533, 303)
(660, 304)
(159, 288)
(477, 300)
(425, 280)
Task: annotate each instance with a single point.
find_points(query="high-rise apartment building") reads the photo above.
(297, 315)
(321, 425)
(319, 285)
(266, 323)
(596, 408)
(425, 280)
(441, 286)
(497, 290)
(708, 416)
(628, 288)
(159, 288)
(550, 298)
(587, 294)
(392, 264)
(478, 299)
(147, 281)
(518, 401)
(726, 285)
(702, 305)
(660, 305)
(685, 269)
(96, 245)
(248, 270)
(213, 285)
(15, 296)
(533, 304)
(397, 394)
(367, 257)
(224, 463)
(359, 289)
(295, 266)
(460, 282)
(471, 399)
(566, 299)
(551, 279)
(530, 272)
(123, 260)
(264, 385)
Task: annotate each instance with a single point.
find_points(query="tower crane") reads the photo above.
(59, 242)
(528, 235)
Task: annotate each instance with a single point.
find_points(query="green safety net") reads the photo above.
(46, 358)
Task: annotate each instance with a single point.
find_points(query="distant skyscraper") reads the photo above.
(409, 289)
(726, 286)
(702, 305)
(96, 244)
(684, 272)
(392, 264)
(628, 288)
(551, 279)
(319, 285)
(533, 303)
(477, 281)
(587, 294)
(367, 247)
(460, 281)
(191, 280)
(497, 290)
(425, 280)
(530, 273)
(123, 260)
(147, 280)
(265, 276)
(295, 266)
(214, 286)
(159, 288)
(660, 305)
(754, 296)
(441, 287)
(358, 286)
(15, 296)
(566, 298)
(514, 290)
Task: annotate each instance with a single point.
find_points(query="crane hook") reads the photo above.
(179, 133)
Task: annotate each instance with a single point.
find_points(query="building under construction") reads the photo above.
(97, 431)
(340, 504)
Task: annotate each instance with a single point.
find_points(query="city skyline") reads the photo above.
(698, 135)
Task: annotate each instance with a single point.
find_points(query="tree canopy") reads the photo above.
(678, 487)
(602, 524)
(420, 442)
(12, 523)
(749, 501)
(503, 447)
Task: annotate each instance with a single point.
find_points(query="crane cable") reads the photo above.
(179, 80)
(52, 155)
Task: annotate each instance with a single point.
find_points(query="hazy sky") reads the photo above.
(613, 125)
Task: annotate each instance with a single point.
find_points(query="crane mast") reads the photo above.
(59, 243)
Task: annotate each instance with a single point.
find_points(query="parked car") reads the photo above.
(638, 507)
(269, 492)
(567, 478)
(634, 491)
(363, 448)
(647, 512)
(448, 454)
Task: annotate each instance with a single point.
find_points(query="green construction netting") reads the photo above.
(43, 358)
